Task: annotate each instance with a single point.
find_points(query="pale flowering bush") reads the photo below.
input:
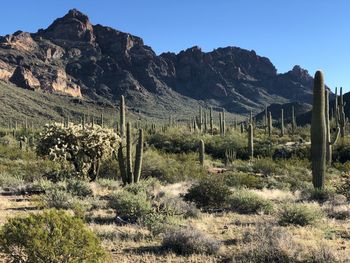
(82, 149)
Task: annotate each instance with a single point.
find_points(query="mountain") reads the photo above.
(99, 63)
(299, 110)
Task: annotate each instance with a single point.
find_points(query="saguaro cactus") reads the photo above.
(200, 118)
(211, 119)
(328, 131)
(341, 113)
(250, 141)
(266, 117)
(294, 123)
(122, 116)
(336, 109)
(223, 123)
(201, 152)
(318, 132)
(129, 171)
(138, 157)
(269, 126)
(282, 123)
(102, 121)
(220, 123)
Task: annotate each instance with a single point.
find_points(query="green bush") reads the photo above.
(79, 188)
(130, 207)
(245, 202)
(53, 236)
(61, 199)
(209, 193)
(189, 240)
(265, 166)
(171, 168)
(149, 187)
(109, 169)
(241, 179)
(344, 187)
(299, 214)
(10, 181)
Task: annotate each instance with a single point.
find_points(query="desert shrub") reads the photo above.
(108, 183)
(150, 187)
(322, 195)
(82, 148)
(61, 199)
(241, 179)
(343, 167)
(309, 193)
(265, 166)
(189, 240)
(171, 168)
(129, 206)
(10, 181)
(39, 186)
(211, 192)
(175, 206)
(53, 236)
(299, 214)
(267, 243)
(8, 141)
(245, 202)
(15, 153)
(176, 141)
(79, 188)
(343, 187)
(337, 207)
(341, 152)
(109, 169)
(59, 175)
(158, 222)
(264, 244)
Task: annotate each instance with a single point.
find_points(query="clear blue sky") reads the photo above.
(312, 33)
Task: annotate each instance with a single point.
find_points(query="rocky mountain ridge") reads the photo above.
(74, 57)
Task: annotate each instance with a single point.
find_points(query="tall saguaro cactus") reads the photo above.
(341, 113)
(201, 152)
(200, 118)
(223, 123)
(122, 115)
(328, 131)
(269, 126)
(282, 123)
(129, 171)
(250, 141)
(294, 123)
(138, 157)
(220, 123)
(318, 132)
(211, 120)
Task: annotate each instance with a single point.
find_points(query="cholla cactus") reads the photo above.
(81, 148)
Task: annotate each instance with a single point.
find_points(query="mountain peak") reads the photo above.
(74, 26)
(74, 13)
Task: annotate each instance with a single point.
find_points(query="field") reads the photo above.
(209, 191)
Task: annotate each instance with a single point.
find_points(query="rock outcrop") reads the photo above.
(74, 57)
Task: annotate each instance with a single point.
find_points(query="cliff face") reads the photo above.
(74, 57)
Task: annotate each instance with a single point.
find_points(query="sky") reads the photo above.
(314, 34)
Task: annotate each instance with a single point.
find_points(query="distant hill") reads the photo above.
(98, 63)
